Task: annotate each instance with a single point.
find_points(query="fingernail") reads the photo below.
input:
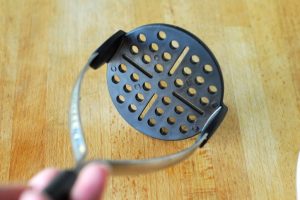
(32, 195)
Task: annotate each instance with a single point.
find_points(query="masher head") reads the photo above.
(164, 81)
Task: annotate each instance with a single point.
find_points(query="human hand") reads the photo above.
(88, 186)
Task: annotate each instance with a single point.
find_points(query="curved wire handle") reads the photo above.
(121, 167)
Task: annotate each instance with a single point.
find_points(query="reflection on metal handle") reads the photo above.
(76, 132)
(120, 167)
(298, 178)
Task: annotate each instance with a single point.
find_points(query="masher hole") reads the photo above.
(164, 131)
(212, 89)
(186, 71)
(132, 108)
(120, 98)
(142, 37)
(183, 129)
(122, 68)
(147, 86)
(162, 84)
(134, 77)
(134, 49)
(191, 118)
(127, 88)
(161, 35)
(139, 97)
(178, 82)
(171, 120)
(179, 109)
(166, 56)
(207, 68)
(151, 122)
(195, 59)
(191, 91)
(166, 100)
(154, 47)
(158, 68)
(174, 44)
(204, 100)
(146, 59)
(159, 111)
(199, 80)
(115, 79)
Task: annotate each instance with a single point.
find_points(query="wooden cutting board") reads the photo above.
(43, 45)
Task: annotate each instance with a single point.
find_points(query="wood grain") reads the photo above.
(253, 155)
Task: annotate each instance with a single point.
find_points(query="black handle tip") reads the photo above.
(60, 187)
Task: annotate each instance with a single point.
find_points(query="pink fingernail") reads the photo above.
(32, 195)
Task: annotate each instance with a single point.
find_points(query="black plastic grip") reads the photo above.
(60, 187)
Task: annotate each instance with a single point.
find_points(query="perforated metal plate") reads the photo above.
(164, 81)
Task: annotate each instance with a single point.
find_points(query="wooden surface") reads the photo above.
(43, 45)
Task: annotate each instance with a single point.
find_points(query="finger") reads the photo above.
(43, 178)
(11, 192)
(33, 195)
(90, 182)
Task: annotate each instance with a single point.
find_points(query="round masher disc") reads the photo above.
(165, 82)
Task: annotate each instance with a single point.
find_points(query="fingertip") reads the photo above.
(91, 182)
(32, 195)
(43, 178)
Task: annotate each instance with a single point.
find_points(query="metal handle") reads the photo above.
(123, 167)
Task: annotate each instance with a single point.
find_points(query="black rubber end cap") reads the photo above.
(212, 127)
(107, 49)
